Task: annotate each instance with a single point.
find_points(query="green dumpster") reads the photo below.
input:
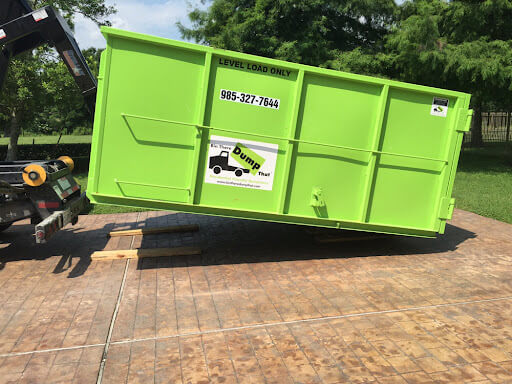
(190, 128)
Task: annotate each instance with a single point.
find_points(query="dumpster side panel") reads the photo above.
(234, 117)
(341, 113)
(405, 190)
(143, 155)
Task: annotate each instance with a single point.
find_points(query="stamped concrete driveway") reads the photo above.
(264, 304)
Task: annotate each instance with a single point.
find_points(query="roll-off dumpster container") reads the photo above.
(190, 128)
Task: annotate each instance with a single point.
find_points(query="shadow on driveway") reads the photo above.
(223, 240)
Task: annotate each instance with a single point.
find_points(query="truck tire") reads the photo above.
(217, 169)
(238, 172)
(3, 227)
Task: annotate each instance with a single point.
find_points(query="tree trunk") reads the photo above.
(476, 127)
(12, 149)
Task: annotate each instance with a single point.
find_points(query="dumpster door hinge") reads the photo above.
(465, 121)
(446, 208)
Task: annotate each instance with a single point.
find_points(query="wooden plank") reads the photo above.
(141, 253)
(153, 231)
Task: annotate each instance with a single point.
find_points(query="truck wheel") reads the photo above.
(3, 227)
(217, 169)
(238, 172)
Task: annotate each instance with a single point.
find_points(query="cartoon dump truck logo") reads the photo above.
(220, 163)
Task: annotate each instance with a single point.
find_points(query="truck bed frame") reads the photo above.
(59, 199)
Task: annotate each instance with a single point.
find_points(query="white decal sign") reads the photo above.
(439, 107)
(241, 163)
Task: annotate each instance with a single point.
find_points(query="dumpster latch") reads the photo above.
(317, 199)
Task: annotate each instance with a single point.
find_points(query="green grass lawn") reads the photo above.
(483, 184)
(65, 139)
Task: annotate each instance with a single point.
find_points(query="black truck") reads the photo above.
(220, 163)
(42, 190)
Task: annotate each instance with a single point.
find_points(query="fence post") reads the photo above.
(508, 127)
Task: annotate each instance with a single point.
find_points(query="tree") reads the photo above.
(23, 87)
(62, 108)
(21, 92)
(462, 44)
(304, 31)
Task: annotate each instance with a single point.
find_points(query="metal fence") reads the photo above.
(495, 128)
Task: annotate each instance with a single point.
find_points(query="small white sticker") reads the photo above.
(40, 15)
(249, 98)
(241, 163)
(439, 107)
(2, 34)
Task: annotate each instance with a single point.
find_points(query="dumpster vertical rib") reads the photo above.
(291, 143)
(455, 154)
(372, 163)
(100, 117)
(201, 112)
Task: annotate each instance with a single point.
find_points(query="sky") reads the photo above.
(154, 17)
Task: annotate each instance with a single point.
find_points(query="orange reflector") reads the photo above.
(68, 161)
(34, 175)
